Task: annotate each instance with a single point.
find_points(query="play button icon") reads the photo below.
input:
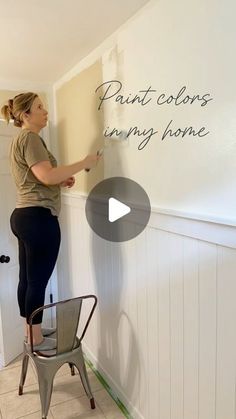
(118, 209)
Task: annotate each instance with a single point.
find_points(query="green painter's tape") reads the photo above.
(108, 389)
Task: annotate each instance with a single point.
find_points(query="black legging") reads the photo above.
(39, 237)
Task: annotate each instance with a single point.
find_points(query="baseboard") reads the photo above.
(128, 410)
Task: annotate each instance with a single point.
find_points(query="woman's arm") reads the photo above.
(49, 175)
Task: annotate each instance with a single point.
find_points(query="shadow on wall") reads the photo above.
(64, 261)
(118, 352)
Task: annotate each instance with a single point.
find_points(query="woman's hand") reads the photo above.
(68, 182)
(91, 161)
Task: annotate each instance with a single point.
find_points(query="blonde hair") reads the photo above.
(17, 106)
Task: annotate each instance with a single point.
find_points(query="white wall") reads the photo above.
(167, 46)
(163, 334)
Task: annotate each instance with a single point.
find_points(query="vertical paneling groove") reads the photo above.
(190, 328)
(235, 401)
(170, 328)
(226, 348)
(141, 262)
(132, 376)
(198, 343)
(163, 332)
(152, 322)
(216, 331)
(183, 329)
(146, 276)
(158, 322)
(176, 326)
(164, 324)
(207, 318)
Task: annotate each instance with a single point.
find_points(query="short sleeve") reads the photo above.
(34, 149)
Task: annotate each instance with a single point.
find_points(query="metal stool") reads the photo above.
(69, 349)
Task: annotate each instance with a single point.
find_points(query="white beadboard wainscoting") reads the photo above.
(163, 335)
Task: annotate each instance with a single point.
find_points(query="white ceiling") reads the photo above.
(40, 40)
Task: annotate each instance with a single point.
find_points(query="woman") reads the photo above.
(35, 219)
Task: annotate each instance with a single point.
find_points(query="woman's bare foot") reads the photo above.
(37, 334)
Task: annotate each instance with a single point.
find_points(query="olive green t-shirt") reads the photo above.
(27, 149)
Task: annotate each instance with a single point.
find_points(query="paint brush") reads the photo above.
(112, 140)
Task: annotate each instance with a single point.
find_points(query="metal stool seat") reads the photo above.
(69, 349)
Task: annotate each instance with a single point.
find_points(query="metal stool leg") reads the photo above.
(45, 391)
(24, 368)
(80, 365)
(45, 378)
(72, 368)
